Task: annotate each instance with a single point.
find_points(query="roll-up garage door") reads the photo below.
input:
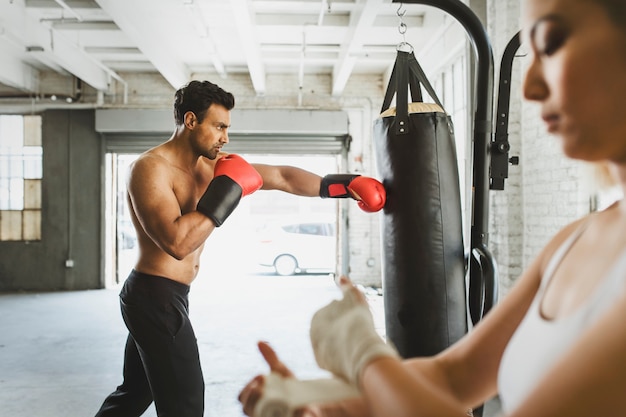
(313, 132)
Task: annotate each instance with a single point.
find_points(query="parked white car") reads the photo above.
(298, 247)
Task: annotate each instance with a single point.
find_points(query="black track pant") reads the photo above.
(161, 360)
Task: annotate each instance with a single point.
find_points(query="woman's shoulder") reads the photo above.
(569, 229)
(560, 237)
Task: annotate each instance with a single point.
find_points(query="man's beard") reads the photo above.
(210, 153)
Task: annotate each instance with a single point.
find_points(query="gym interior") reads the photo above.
(66, 139)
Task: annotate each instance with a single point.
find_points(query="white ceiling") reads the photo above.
(96, 40)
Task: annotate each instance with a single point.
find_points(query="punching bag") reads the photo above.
(423, 254)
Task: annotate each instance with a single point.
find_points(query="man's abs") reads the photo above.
(154, 261)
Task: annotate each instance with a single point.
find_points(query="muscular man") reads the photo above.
(178, 193)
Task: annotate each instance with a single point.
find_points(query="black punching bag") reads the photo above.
(423, 254)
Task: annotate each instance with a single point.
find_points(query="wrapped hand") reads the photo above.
(343, 336)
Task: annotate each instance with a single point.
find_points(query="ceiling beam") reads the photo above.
(74, 24)
(362, 19)
(15, 73)
(69, 9)
(47, 4)
(20, 26)
(245, 22)
(134, 19)
(194, 12)
(299, 19)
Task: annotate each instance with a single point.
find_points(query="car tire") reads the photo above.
(285, 265)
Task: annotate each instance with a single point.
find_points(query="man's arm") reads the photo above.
(289, 179)
(369, 192)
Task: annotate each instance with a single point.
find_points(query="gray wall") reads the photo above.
(71, 211)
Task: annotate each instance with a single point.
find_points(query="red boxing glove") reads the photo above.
(233, 178)
(369, 192)
(240, 171)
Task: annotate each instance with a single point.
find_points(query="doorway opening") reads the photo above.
(270, 232)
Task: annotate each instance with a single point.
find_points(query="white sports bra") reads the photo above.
(538, 343)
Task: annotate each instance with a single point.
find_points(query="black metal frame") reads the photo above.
(500, 146)
(483, 280)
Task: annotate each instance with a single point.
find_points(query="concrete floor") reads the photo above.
(61, 353)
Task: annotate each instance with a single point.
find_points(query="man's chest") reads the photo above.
(189, 189)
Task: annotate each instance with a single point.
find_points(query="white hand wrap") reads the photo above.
(344, 338)
(282, 396)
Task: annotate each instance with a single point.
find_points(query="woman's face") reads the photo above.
(577, 73)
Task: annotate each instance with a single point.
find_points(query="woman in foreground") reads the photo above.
(556, 344)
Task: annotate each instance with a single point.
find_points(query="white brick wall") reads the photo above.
(547, 190)
(506, 207)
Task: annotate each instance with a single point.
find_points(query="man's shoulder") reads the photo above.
(152, 161)
(154, 155)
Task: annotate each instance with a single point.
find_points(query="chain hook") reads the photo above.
(400, 15)
(402, 27)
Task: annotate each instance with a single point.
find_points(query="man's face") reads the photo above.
(211, 135)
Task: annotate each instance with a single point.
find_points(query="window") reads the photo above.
(20, 177)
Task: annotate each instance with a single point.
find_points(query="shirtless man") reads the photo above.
(178, 193)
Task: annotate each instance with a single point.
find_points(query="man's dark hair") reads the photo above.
(197, 97)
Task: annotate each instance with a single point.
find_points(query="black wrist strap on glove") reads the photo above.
(220, 199)
(336, 185)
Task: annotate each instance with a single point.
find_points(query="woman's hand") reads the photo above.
(251, 393)
(343, 336)
(254, 393)
(354, 407)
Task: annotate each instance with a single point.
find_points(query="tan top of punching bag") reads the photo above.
(415, 108)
